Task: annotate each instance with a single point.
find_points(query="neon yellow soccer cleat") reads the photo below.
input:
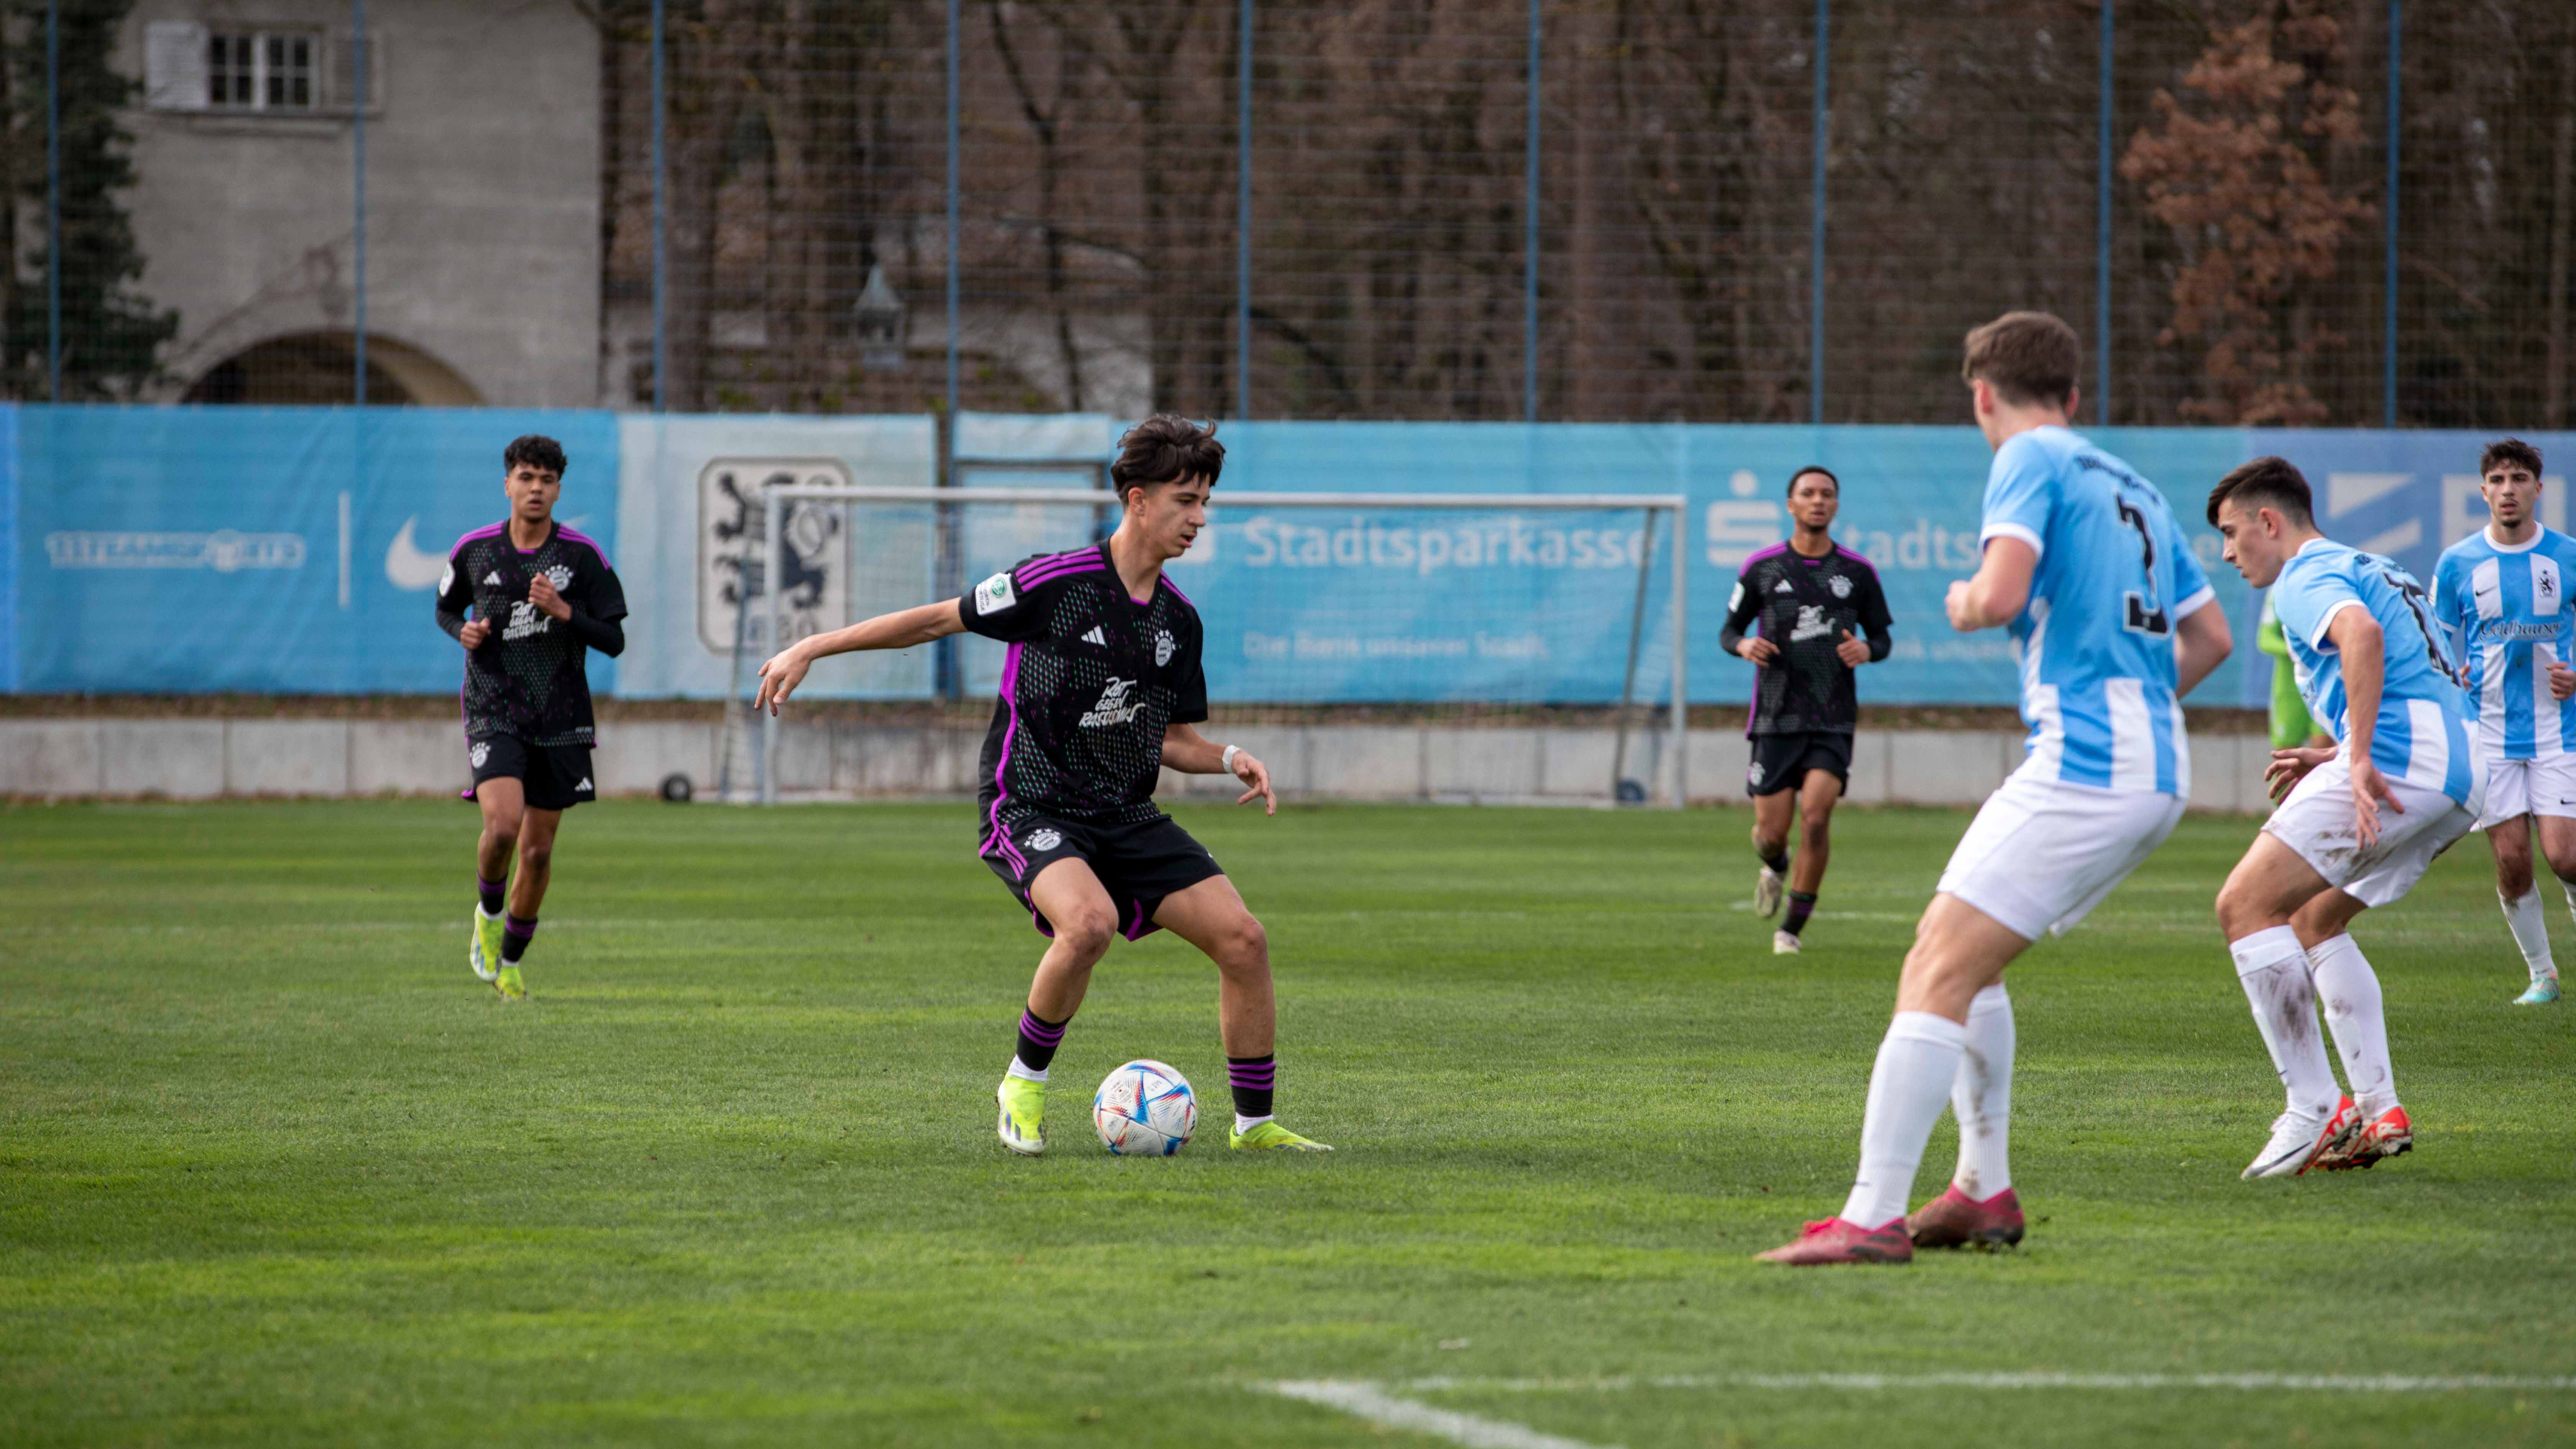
(507, 983)
(1023, 1115)
(1271, 1137)
(483, 949)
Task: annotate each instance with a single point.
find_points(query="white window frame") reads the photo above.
(262, 44)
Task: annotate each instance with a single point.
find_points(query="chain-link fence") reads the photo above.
(2257, 211)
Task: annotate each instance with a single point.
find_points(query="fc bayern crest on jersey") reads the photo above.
(1044, 840)
(482, 751)
(1163, 648)
(1840, 585)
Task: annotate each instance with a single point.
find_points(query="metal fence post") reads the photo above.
(2102, 235)
(2388, 283)
(1243, 213)
(1529, 240)
(955, 236)
(54, 200)
(1816, 228)
(661, 230)
(358, 139)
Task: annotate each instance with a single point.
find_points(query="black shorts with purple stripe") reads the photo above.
(1139, 865)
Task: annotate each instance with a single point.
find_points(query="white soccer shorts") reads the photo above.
(2317, 822)
(2042, 853)
(2516, 788)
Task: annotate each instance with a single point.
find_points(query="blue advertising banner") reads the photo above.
(265, 549)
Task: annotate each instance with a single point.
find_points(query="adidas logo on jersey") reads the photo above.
(1784, 588)
(493, 578)
(1096, 637)
(1116, 707)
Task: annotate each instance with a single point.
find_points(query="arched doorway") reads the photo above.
(314, 368)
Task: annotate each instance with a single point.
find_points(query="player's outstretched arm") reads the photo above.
(2202, 642)
(901, 629)
(1999, 589)
(1191, 753)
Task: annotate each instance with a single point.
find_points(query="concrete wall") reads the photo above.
(483, 159)
(203, 759)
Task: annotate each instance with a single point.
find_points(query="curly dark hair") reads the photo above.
(1166, 448)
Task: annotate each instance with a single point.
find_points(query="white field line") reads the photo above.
(2328, 1383)
(1372, 1403)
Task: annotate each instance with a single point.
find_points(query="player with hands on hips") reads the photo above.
(2357, 825)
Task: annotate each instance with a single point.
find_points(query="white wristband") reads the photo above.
(1226, 761)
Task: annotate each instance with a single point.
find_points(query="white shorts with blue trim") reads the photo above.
(2042, 853)
(2316, 820)
(2516, 788)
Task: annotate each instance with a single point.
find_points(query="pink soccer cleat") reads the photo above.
(1956, 1220)
(1837, 1241)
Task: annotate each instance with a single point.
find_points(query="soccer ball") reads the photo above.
(1145, 1109)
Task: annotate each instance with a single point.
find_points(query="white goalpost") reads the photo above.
(1564, 614)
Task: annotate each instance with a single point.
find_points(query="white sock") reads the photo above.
(1916, 1064)
(1024, 1071)
(2530, 927)
(2350, 990)
(2274, 972)
(1244, 1124)
(1981, 1096)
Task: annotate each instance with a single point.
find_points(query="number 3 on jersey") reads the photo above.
(2145, 613)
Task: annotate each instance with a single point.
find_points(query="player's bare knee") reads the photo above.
(535, 857)
(1816, 829)
(502, 832)
(1087, 934)
(1243, 946)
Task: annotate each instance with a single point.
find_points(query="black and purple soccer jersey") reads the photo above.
(1092, 680)
(1805, 606)
(528, 679)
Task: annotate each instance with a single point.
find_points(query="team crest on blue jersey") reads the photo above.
(1044, 840)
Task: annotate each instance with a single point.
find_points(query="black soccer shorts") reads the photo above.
(1138, 865)
(1781, 762)
(556, 777)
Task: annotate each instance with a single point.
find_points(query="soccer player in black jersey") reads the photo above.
(1100, 690)
(1808, 595)
(540, 596)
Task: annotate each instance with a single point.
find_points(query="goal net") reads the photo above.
(1484, 647)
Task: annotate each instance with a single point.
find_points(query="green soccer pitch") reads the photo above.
(277, 1170)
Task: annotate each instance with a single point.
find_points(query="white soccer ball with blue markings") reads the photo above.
(1145, 1109)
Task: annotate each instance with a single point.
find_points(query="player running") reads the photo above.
(2501, 594)
(541, 595)
(2370, 662)
(1100, 690)
(2113, 622)
(1806, 596)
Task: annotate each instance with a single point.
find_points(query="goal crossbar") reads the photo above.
(1674, 503)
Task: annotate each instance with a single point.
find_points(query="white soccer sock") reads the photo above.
(2530, 927)
(2350, 990)
(1243, 1124)
(1981, 1096)
(1916, 1064)
(2274, 972)
(1024, 1071)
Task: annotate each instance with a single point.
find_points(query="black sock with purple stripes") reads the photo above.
(1802, 904)
(1039, 1038)
(1253, 1079)
(490, 891)
(516, 933)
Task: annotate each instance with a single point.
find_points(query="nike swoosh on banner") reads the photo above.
(406, 567)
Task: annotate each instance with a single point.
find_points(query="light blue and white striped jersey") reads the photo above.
(2424, 715)
(2096, 640)
(2505, 609)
